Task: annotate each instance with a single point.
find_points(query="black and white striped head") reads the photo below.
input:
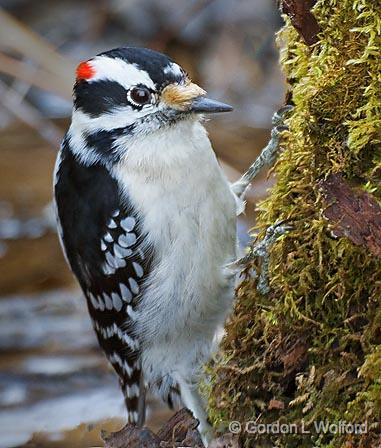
(130, 93)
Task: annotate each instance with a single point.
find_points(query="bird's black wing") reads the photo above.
(105, 247)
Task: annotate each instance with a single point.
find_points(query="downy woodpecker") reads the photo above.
(147, 221)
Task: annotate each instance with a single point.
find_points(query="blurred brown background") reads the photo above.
(56, 389)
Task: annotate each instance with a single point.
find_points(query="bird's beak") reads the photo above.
(191, 98)
(204, 105)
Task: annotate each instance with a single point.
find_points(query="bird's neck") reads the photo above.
(168, 152)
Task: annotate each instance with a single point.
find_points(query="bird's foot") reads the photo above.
(268, 153)
(278, 121)
(261, 250)
(280, 115)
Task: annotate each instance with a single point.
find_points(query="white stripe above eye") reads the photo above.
(114, 69)
(125, 74)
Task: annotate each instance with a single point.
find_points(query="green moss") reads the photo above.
(314, 341)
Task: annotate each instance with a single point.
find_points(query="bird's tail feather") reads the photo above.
(134, 397)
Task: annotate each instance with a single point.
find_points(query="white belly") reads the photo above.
(189, 213)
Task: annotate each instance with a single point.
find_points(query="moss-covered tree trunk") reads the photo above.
(310, 350)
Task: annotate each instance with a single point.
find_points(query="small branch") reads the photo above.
(302, 19)
(352, 213)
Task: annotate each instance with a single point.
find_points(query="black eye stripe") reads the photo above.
(99, 97)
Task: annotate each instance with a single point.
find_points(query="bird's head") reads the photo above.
(129, 93)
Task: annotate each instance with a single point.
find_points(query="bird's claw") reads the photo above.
(280, 115)
(261, 250)
(267, 155)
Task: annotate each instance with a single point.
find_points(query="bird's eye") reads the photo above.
(139, 96)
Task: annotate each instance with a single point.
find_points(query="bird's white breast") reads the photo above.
(188, 212)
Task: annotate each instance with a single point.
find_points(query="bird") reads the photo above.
(147, 221)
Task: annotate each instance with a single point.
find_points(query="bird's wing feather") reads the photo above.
(110, 257)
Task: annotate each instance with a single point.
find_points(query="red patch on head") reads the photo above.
(85, 71)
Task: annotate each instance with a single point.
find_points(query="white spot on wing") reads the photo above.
(138, 269)
(111, 224)
(133, 285)
(101, 303)
(116, 301)
(126, 293)
(127, 240)
(141, 254)
(94, 301)
(128, 223)
(108, 237)
(111, 260)
(107, 269)
(121, 263)
(131, 313)
(108, 301)
(121, 252)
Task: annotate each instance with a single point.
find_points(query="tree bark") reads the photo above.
(309, 351)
